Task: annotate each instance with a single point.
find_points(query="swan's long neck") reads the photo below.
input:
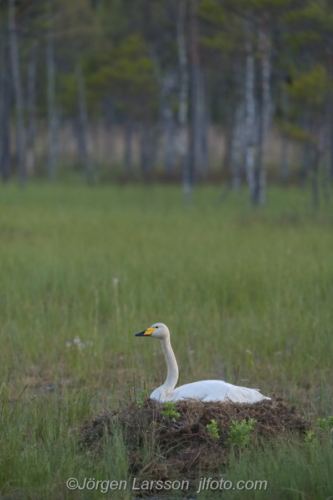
(170, 358)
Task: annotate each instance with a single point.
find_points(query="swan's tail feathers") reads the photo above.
(244, 395)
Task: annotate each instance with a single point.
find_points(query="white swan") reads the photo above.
(205, 390)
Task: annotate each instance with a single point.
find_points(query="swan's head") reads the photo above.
(158, 330)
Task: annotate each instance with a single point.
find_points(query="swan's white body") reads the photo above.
(205, 390)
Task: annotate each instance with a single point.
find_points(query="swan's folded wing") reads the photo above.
(244, 395)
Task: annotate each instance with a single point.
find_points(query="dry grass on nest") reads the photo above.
(159, 448)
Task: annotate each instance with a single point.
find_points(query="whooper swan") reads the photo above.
(205, 390)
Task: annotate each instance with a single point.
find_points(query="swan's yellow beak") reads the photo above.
(149, 331)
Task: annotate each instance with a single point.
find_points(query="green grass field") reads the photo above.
(247, 296)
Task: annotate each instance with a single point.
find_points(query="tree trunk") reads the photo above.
(284, 158)
(194, 131)
(32, 124)
(169, 159)
(203, 125)
(229, 123)
(51, 106)
(306, 152)
(168, 124)
(250, 107)
(285, 139)
(330, 124)
(145, 150)
(259, 191)
(331, 149)
(17, 84)
(109, 120)
(5, 102)
(5, 126)
(326, 177)
(324, 143)
(259, 179)
(183, 99)
(153, 136)
(315, 178)
(84, 126)
(236, 145)
(128, 150)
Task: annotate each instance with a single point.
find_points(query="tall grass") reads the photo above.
(293, 470)
(247, 297)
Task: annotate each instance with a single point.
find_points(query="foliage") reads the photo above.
(128, 73)
(310, 436)
(141, 396)
(325, 424)
(170, 411)
(213, 429)
(240, 432)
(311, 87)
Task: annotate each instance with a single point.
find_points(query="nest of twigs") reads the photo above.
(183, 446)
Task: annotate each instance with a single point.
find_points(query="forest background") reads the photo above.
(183, 91)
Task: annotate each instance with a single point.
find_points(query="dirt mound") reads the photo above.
(180, 446)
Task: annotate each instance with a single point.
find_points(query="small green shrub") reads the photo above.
(170, 411)
(213, 429)
(240, 432)
(325, 424)
(141, 396)
(310, 436)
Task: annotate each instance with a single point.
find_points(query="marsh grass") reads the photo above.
(293, 469)
(247, 297)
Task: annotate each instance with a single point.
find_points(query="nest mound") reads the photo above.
(183, 447)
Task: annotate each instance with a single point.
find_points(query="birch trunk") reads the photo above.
(128, 150)
(169, 159)
(5, 127)
(84, 126)
(250, 107)
(330, 126)
(259, 179)
(194, 131)
(32, 124)
(306, 152)
(145, 150)
(331, 150)
(259, 192)
(109, 120)
(284, 158)
(17, 84)
(168, 124)
(3, 71)
(51, 106)
(229, 111)
(315, 178)
(202, 125)
(325, 177)
(285, 140)
(5, 102)
(183, 99)
(236, 146)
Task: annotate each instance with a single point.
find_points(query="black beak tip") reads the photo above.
(141, 334)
